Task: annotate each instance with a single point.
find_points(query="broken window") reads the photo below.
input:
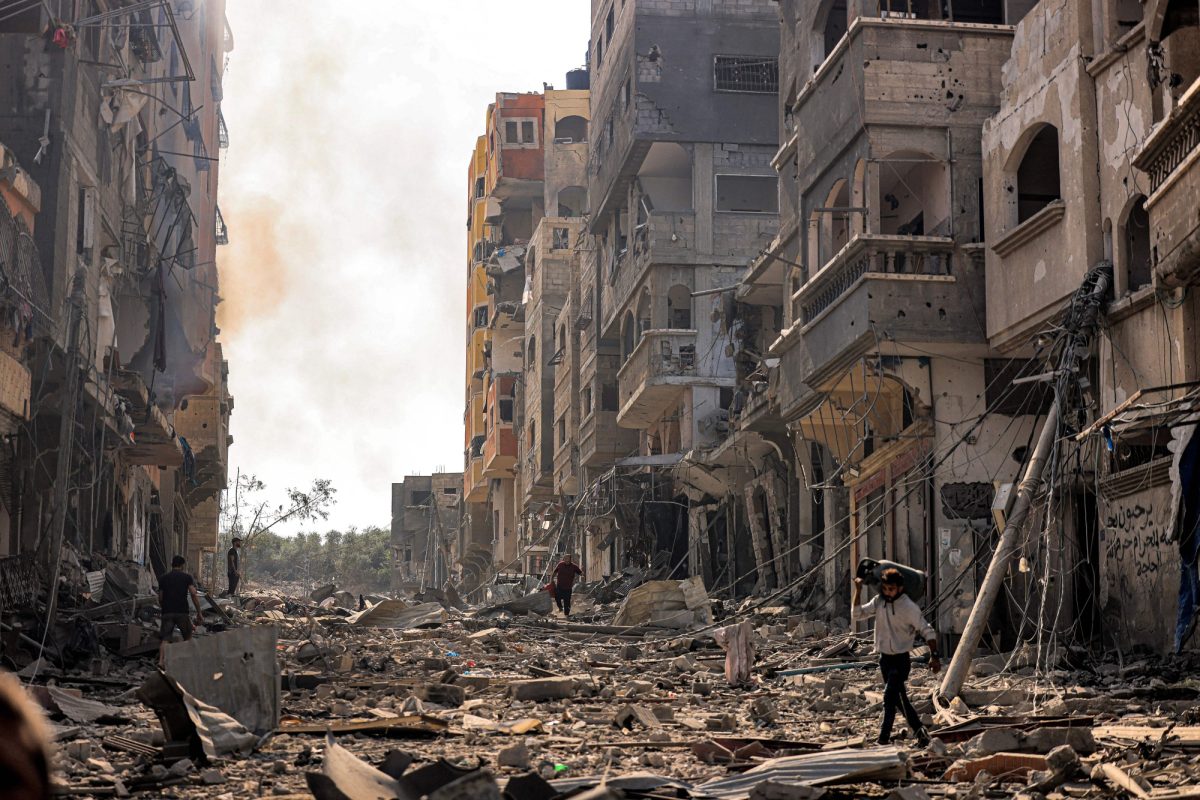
(506, 410)
(679, 307)
(609, 24)
(27, 21)
(511, 135)
(1180, 39)
(914, 196)
(570, 130)
(532, 436)
(599, 52)
(450, 490)
(666, 177)
(531, 352)
(420, 497)
(527, 134)
(560, 238)
(572, 201)
(481, 317)
(832, 28)
(562, 431)
(610, 398)
(587, 400)
(756, 74)
(1137, 246)
(748, 193)
(477, 446)
(627, 93)
(1037, 176)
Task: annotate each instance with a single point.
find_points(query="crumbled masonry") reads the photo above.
(488, 704)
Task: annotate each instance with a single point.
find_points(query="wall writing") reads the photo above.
(1140, 578)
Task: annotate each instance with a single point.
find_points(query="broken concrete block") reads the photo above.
(80, 750)
(633, 713)
(212, 777)
(444, 694)
(763, 710)
(542, 689)
(1043, 740)
(517, 756)
(631, 652)
(908, 793)
(721, 722)
(995, 740)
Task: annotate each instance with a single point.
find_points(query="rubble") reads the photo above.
(519, 706)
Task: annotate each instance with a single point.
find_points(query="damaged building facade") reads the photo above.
(116, 401)
(802, 306)
(425, 517)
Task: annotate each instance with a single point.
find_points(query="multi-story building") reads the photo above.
(1092, 160)
(425, 516)
(883, 362)
(682, 195)
(549, 381)
(117, 119)
(505, 205)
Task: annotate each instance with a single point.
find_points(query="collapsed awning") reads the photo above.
(862, 399)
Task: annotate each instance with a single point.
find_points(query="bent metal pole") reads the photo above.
(1078, 344)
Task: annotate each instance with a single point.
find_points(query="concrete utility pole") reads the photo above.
(1077, 347)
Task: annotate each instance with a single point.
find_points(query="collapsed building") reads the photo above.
(425, 515)
(115, 390)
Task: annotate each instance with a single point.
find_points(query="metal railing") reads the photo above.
(660, 353)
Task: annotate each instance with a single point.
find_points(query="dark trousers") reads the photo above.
(233, 583)
(895, 669)
(563, 598)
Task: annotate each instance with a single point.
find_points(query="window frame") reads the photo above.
(716, 193)
(716, 68)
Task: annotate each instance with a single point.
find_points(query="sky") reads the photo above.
(344, 189)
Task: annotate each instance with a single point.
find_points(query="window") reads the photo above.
(748, 193)
(520, 133)
(1137, 246)
(626, 93)
(599, 52)
(450, 490)
(408, 554)
(570, 129)
(610, 399)
(756, 74)
(587, 400)
(481, 317)
(420, 497)
(1037, 177)
(562, 431)
(532, 435)
(531, 352)
(506, 410)
(560, 238)
(609, 24)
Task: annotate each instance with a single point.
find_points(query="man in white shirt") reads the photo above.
(898, 621)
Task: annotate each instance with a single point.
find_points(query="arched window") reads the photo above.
(679, 307)
(831, 26)
(1037, 176)
(569, 130)
(1135, 245)
(1180, 37)
(644, 318)
(572, 201)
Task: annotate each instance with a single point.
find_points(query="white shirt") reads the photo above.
(896, 623)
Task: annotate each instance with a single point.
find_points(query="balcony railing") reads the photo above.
(871, 255)
(222, 131)
(222, 231)
(1174, 141)
(660, 354)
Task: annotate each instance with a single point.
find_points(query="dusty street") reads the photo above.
(583, 703)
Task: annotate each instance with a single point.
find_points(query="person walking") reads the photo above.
(173, 590)
(898, 621)
(233, 566)
(564, 580)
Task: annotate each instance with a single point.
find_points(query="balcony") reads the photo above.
(1170, 157)
(657, 373)
(899, 288)
(204, 425)
(499, 452)
(667, 237)
(221, 230)
(15, 385)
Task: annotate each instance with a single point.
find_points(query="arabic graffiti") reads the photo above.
(1137, 536)
(967, 500)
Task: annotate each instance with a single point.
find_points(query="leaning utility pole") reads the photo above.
(1080, 323)
(50, 549)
